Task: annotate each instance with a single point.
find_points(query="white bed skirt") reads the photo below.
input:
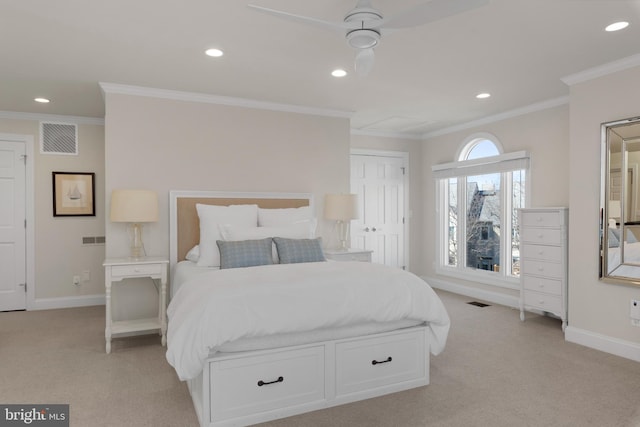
(238, 389)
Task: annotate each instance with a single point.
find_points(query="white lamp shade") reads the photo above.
(341, 207)
(134, 206)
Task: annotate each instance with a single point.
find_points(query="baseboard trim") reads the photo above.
(483, 294)
(67, 302)
(618, 347)
(604, 343)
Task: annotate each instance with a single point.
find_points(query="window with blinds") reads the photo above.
(477, 197)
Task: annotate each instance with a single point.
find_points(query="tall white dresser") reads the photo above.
(543, 261)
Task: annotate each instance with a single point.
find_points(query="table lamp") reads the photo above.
(341, 208)
(134, 207)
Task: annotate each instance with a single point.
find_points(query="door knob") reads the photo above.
(366, 229)
(373, 229)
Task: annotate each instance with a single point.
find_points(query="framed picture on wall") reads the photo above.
(73, 194)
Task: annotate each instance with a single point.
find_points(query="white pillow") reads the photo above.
(280, 217)
(194, 254)
(210, 219)
(300, 230)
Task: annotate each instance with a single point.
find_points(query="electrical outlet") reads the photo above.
(635, 309)
(76, 280)
(86, 275)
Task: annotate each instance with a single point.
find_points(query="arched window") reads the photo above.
(478, 197)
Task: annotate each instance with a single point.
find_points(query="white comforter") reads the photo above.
(226, 305)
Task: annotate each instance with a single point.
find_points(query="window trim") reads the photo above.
(471, 141)
(504, 164)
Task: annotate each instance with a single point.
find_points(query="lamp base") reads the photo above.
(343, 234)
(137, 247)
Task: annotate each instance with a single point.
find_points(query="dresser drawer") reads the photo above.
(542, 268)
(541, 219)
(142, 270)
(369, 363)
(546, 236)
(261, 383)
(543, 302)
(540, 284)
(541, 252)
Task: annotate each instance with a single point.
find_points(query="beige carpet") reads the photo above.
(495, 371)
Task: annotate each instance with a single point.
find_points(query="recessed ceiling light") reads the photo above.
(41, 100)
(483, 95)
(216, 53)
(617, 26)
(338, 73)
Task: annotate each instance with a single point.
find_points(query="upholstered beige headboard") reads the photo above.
(184, 225)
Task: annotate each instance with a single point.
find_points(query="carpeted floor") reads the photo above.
(495, 371)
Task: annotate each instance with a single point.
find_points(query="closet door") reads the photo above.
(12, 226)
(379, 182)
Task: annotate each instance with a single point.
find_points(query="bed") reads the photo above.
(289, 333)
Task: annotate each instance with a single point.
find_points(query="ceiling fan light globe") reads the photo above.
(363, 39)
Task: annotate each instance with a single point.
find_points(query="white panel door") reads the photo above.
(13, 294)
(379, 183)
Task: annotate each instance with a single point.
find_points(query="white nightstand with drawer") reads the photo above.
(119, 269)
(543, 261)
(351, 254)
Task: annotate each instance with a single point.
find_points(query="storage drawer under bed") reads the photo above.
(364, 364)
(260, 383)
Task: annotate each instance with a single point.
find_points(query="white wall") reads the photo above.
(598, 311)
(59, 253)
(544, 134)
(165, 145)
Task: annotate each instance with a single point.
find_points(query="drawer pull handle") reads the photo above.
(375, 362)
(279, 380)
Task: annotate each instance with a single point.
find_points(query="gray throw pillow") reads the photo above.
(292, 251)
(245, 253)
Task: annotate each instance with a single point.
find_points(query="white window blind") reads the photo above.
(486, 165)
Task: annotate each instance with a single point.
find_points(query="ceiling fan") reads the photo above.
(364, 25)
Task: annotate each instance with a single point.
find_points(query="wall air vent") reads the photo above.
(58, 138)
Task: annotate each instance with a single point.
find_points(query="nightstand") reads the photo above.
(119, 269)
(351, 254)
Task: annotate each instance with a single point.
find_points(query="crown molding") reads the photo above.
(114, 88)
(80, 120)
(397, 135)
(602, 70)
(532, 108)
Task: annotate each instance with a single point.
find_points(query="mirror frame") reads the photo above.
(625, 272)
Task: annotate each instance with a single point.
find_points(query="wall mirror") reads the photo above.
(620, 202)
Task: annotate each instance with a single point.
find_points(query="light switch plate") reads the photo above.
(635, 309)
